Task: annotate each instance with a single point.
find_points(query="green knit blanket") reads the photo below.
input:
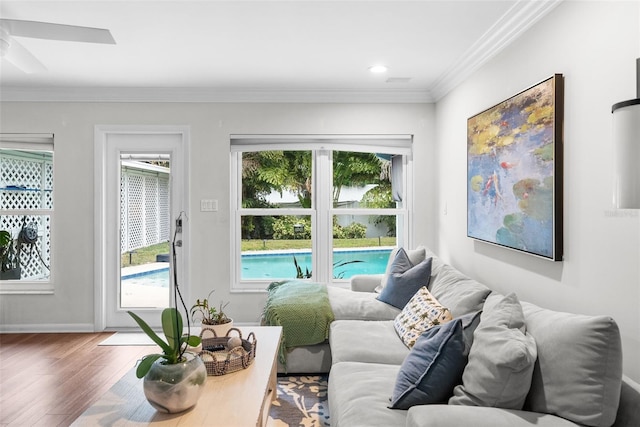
(303, 311)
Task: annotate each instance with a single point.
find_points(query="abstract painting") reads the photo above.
(514, 171)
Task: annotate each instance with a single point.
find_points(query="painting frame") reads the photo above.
(515, 171)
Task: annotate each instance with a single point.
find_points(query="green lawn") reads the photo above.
(148, 254)
(144, 255)
(269, 245)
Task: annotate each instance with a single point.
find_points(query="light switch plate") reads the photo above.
(208, 205)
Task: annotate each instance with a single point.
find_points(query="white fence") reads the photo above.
(26, 183)
(144, 206)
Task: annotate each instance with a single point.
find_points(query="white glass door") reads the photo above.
(143, 194)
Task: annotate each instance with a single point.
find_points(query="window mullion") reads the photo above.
(236, 216)
(277, 212)
(322, 240)
(365, 211)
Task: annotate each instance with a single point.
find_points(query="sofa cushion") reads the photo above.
(464, 416)
(421, 312)
(501, 359)
(578, 373)
(435, 364)
(454, 290)
(405, 280)
(349, 305)
(629, 407)
(416, 256)
(359, 395)
(366, 341)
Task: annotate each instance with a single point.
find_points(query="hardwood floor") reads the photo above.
(50, 379)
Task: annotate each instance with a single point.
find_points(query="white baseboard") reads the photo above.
(47, 328)
(74, 327)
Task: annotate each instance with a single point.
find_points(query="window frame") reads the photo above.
(34, 142)
(322, 210)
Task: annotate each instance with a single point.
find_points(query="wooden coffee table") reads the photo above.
(241, 398)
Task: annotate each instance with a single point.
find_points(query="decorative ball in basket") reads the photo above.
(223, 355)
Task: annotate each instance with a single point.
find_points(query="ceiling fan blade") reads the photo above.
(19, 56)
(51, 31)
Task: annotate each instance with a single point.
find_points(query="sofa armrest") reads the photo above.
(479, 416)
(365, 282)
(629, 408)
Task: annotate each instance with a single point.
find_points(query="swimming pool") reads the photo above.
(279, 265)
(347, 263)
(156, 278)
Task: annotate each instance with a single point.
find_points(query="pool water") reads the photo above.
(271, 265)
(156, 278)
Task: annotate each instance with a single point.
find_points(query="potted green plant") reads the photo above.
(9, 261)
(173, 379)
(211, 317)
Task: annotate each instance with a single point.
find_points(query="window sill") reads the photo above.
(261, 287)
(26, 288)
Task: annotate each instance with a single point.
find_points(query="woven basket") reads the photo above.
(225, 361)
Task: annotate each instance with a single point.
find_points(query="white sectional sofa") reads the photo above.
(573, 374)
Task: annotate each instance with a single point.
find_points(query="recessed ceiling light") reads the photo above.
(378, 68)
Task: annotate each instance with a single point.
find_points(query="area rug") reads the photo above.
(128, 338)
(302, 401)
(138, 338)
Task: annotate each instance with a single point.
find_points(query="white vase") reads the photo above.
(175, 388)
(220, 330)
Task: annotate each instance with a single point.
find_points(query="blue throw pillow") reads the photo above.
(404, 280)
(435, 364)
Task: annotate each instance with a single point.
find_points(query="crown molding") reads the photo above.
(150, 94)
(518, 19)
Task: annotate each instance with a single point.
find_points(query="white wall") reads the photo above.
(594, 44)
(71, 307)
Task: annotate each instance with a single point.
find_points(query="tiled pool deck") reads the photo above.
(136, 296)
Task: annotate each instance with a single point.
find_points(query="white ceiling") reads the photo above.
(304, 50)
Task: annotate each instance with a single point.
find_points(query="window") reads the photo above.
(322, 208)
(26, 212)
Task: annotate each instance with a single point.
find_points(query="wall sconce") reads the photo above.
(626, 146)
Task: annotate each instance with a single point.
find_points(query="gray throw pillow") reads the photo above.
(501, 359)
(435, 365)
(405, 280)
(578, 374)
(456, 291)
(416, 256)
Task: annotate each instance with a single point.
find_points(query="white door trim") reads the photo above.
(180, 203)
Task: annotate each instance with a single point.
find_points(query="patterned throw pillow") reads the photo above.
(421, 312)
